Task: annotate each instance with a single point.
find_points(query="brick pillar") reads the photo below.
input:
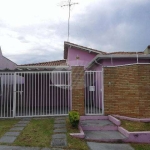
(78, 89)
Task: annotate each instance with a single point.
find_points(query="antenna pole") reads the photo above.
(69, 6)
(69, 20)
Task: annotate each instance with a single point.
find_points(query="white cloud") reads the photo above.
(38, 28)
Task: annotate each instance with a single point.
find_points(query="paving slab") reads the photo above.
(20, 125)
(58, 136)
(45, 149)
(7, 139)
(99, 123)
(59, 126)
(62, 130)
(59, 149)
(59, 142)
(17, 129)
(103, 135)
(60, 118)
(107, 146)
(24, 121)
(60, 121)
(12, 133)
(3, 147)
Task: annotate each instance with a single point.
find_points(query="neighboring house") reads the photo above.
(5, 63)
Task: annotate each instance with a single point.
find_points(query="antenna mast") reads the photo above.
(69, 6)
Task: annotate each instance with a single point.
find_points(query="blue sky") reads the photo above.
(35, 31)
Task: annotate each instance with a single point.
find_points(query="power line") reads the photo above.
(69, 6)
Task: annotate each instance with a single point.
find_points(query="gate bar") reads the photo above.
(14, 97)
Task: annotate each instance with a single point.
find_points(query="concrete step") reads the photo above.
(97, 125)
(108, 146)
(104, 136)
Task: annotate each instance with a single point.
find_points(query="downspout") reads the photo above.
(137, 57)
(97, 63)
(111, 60)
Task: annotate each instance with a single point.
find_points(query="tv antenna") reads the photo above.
(69, 4)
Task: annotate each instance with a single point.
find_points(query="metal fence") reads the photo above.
(93, 92)
(29, 94)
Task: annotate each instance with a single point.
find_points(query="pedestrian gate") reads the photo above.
(93, 92)
(29, 94)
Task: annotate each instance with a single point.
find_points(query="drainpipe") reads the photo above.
(137, 57)
(111, 61)
(97, 63)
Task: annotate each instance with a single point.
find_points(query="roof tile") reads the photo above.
(125, 53)
(49, 63)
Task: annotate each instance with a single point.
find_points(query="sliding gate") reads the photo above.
(29, 94)
(93, 92)
(6, 94)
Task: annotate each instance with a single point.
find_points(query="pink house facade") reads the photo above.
(93, 59)
(93, 62)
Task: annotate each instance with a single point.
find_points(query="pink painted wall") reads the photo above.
(115, 62)
(6, 63)
(84, 57)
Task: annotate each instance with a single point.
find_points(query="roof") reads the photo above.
(126, 53)
(68, 45)
(5, 57)
(49, 63)
(118, 55)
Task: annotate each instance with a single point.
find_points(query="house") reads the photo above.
(5, 63)
(90, 81)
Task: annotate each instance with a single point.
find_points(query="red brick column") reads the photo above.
(78, 89)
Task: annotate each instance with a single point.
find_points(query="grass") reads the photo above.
(75, 143)
(135, 126)
(37, 133)
(141, 146)
(6, 124)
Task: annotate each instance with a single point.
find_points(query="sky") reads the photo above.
(34, 31)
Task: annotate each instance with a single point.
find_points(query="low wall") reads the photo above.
(127, 90)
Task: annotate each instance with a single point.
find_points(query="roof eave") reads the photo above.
(116, 56)
(57, 67)
(67, 44)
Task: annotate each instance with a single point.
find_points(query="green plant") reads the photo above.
(74, 118)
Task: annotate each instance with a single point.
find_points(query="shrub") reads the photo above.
(74, 118)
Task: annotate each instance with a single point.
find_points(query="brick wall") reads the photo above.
(127, 90)
(78, 89)
(144, 90)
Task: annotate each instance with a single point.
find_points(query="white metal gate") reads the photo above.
(6, 94)
(29, 94)
(94, 93)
